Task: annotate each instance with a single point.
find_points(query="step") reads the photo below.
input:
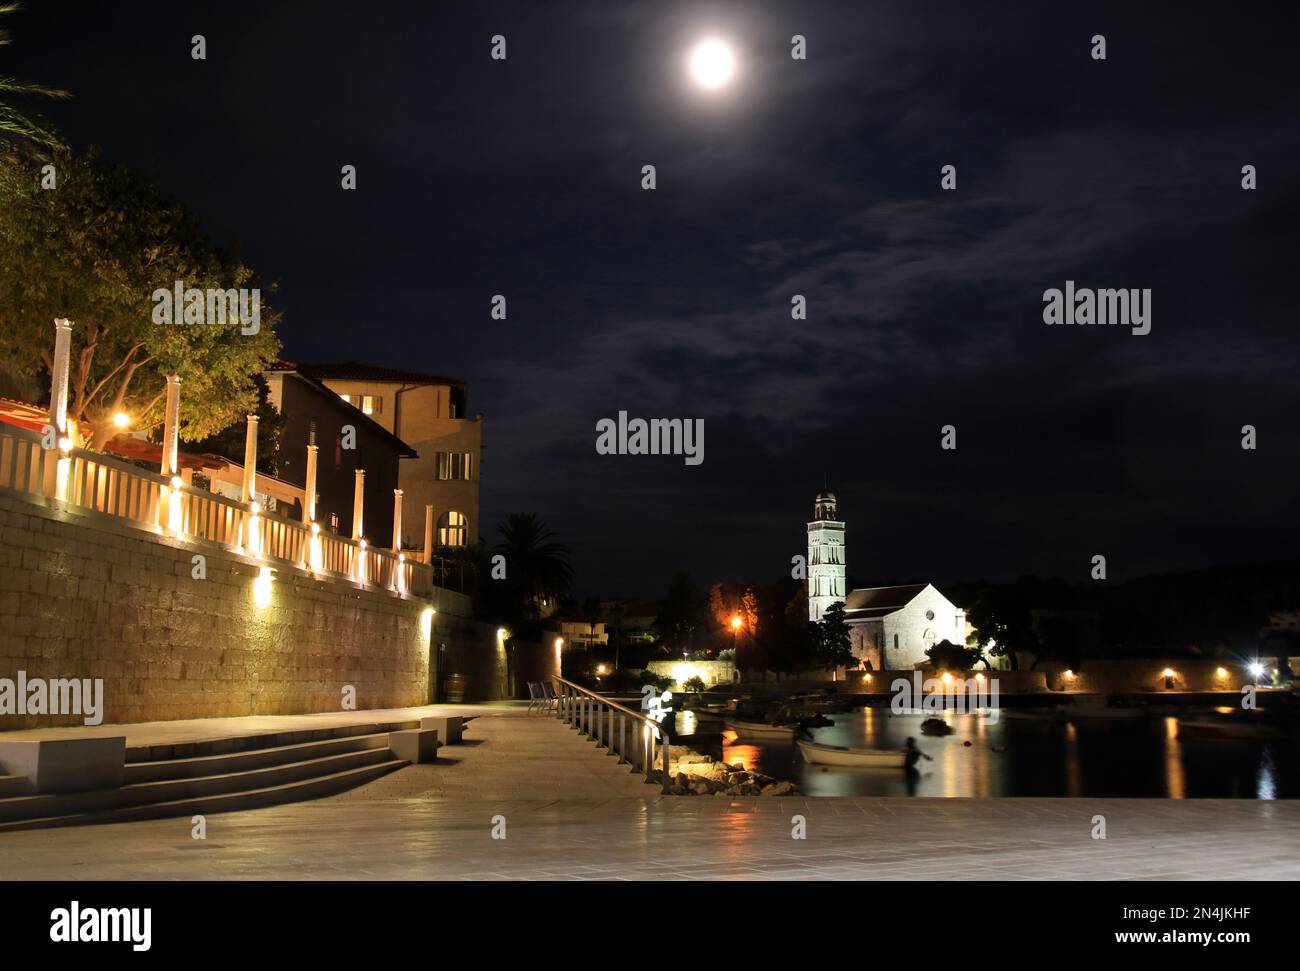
(206, 765)
(166, 790)
(244, 743)
(12, 785)
(313, 788)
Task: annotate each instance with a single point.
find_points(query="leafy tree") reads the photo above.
(94, 250)
(946, 654)
(835, 645)
(537, 566)
(695, 684)
(683, 615)
(18, 128)
(1003, 621)
(229, 442)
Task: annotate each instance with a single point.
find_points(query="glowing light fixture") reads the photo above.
(946, 677)
(426, 622)
(262, 587)
(1167, 673)
(1256, 669)
(121, 419)
(735, 622)
(1220, 672)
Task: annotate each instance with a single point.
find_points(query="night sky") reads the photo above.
(819, 177)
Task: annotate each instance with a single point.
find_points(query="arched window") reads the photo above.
(453, 529)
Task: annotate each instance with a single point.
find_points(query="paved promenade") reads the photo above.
(569, 813)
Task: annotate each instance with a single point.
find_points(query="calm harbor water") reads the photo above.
(1037, 758)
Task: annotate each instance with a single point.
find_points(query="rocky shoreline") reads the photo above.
(693, 773)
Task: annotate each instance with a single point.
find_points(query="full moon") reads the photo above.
(712, 64)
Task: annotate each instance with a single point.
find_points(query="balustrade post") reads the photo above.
(666, 745)
(622, 738)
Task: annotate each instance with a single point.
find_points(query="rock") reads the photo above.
(681, 780)
(701, 788)
(733, 791)
(678, 790)
(778, 789)
(694, 758)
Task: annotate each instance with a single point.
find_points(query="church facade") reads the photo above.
(891, 627)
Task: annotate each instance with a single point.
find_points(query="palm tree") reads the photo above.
(17, 126)
(537, 567)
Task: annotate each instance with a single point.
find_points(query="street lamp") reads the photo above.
(735, 632)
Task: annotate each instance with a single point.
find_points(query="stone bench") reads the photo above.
(414, 745)
(448, 728)
(65, 765)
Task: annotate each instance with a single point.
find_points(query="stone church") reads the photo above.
(891, 627)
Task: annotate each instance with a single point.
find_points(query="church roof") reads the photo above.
(879, 601)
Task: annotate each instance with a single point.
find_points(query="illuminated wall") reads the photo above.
(84, 595)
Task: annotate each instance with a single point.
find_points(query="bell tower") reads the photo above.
(825, 557)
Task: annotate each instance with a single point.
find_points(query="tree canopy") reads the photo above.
(93, 244)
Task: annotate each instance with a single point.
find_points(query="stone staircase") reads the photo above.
(215, 776)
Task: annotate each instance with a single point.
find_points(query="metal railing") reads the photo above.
(92, 480)
(597, 717)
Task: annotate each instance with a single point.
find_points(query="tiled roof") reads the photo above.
(356, 371)
(878, 601)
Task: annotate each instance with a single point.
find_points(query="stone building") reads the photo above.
(825, 557)
(890, 627)
(313, 414)
(429, 412)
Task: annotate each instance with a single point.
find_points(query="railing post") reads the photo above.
(667, 747)
(647, 750)
(622, 738)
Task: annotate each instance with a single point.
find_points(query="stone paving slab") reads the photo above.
(572, 814)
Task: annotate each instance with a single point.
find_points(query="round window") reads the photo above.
(929, 615)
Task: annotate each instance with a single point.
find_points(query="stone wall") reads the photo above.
(85, 595)
(710, 672)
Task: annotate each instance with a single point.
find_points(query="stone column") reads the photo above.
(309, 490)
(171, 426)
(250, 460)
(428, 534)
(59, 376)
(358, 501)
(397, 520)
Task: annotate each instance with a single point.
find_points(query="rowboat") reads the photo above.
(868, 758)
(760, 729)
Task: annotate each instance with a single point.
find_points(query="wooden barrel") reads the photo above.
(454, 688)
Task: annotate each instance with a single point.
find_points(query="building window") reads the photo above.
(370, 404)
(456, 465)
(453, 529)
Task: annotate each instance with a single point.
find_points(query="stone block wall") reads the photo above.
(86, 595)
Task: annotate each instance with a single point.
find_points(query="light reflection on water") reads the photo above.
(1142, 757)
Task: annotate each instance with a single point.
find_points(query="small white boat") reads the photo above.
(869, 758)
(760, 729)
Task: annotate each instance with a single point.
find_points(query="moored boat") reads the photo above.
(760, 729)
(869, 758)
